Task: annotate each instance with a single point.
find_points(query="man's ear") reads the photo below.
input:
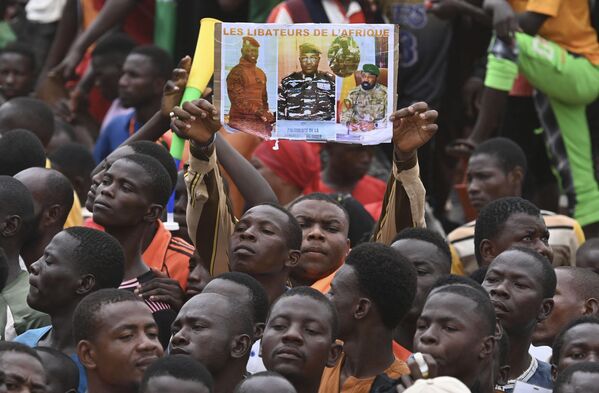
(258, 330)
(591, 307)
(11, 226)
(362, 308)
(504, 375)
(51, 215)
(293, 259)
(516, 177)
(240, 346)
(545, 309)
(86, 353)
(86, 284)
(487, 252)
(334, 354)
(488, 347)
(154, 212)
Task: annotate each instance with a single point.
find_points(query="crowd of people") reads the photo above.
(461, 257)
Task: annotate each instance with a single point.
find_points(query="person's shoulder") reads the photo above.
(325, 75)
(294, 76)
(119, 121)
(381, 88)
(32, 336)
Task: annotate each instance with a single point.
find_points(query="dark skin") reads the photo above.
(170, 384)
(16, 75)
(22, 372)
(581, 382)
(206, 329)
(124, 209)
(12, 237)
(325, 244)
(580, 344)
(56, 289)
(431, 265)
(514, 283)
(198, 277)
(588, 257)
(298, 342)
(347, 165)
(267, 384)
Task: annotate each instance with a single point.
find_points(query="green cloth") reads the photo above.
(14, 296)
(308, 48)
(570, 83)
(6, 34)
(260, 9)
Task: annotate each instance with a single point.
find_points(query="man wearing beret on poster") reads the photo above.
(246, 86)
(365, 107)
(309, 94)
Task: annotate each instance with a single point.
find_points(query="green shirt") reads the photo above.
(13, 299)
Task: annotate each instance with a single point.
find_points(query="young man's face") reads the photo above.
(431, 265)
(451, 330)
(203, 330)
(250, 53)
(567, 306)
(580, 344)
(126, 343)
(122, 197)
(22, 373)
(487, 181)
(325, 243)
(521, 230)
(258, 244)
(297, 341)
(16, 75)
(98, 173)
(350, 162)
(368, 81)
(514, 282)
(53, 279)
(344, 294)
(170, 384)
(198, 277)
(107, 73)
(309, 63)
(139, 84)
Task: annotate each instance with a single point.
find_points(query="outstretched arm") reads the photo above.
(403, 205)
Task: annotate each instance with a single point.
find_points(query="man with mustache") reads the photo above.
(246, 87)
(365, 107)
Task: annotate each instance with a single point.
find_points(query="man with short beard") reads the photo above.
(365, 107)
(246, 85)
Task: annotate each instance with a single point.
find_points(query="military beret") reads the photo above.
(371, 69)
(308, 48)
(250, 41)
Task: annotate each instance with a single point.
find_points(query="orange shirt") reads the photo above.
(331, 376)
(569, 24)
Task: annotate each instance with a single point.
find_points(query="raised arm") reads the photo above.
(403, 205)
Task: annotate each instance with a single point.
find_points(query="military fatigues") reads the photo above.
(365, 106)
(307, 98)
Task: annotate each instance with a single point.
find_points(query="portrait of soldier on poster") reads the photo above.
(365, 107)
(246, 87)
(308, 94)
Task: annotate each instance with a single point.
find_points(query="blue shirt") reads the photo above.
(32, 336)
(538, 374)
(115, 133)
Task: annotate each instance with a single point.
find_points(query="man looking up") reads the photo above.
(16, 211)
(131, 197)
(430, 255)
(521, 284)
(145, 71)
(246, 86)
(52, 201)
(222, 343)
(299, 339)
(457, 328)
(77, 262)
(508, 222)
(576, 295)
(497, 169)
(372, 292)
(117, 339)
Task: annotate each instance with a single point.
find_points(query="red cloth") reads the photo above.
(375, 209)
(296, 162)
(400, 352)
(368, 190)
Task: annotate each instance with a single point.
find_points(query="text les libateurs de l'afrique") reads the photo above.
(305, 32)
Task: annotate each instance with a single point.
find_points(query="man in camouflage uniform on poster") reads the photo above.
(309, 94)
(365, 107)
(246, 86)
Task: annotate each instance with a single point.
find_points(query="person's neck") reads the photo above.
(144, 112)
(96, 385)
(274, 284)
(32, 251)
(368, 351)
(306, 386)
(518, 357)
(337, 182)
(11, 249)
(226, 380)
(404, 334)
(150, 233)
(131, 238)
(61, 335)
(484, 380)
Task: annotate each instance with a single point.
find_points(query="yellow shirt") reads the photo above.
(568, 25)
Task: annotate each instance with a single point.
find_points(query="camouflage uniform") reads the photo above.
(365, 106)
(303, 97)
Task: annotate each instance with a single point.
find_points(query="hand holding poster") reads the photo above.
(307, 81)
